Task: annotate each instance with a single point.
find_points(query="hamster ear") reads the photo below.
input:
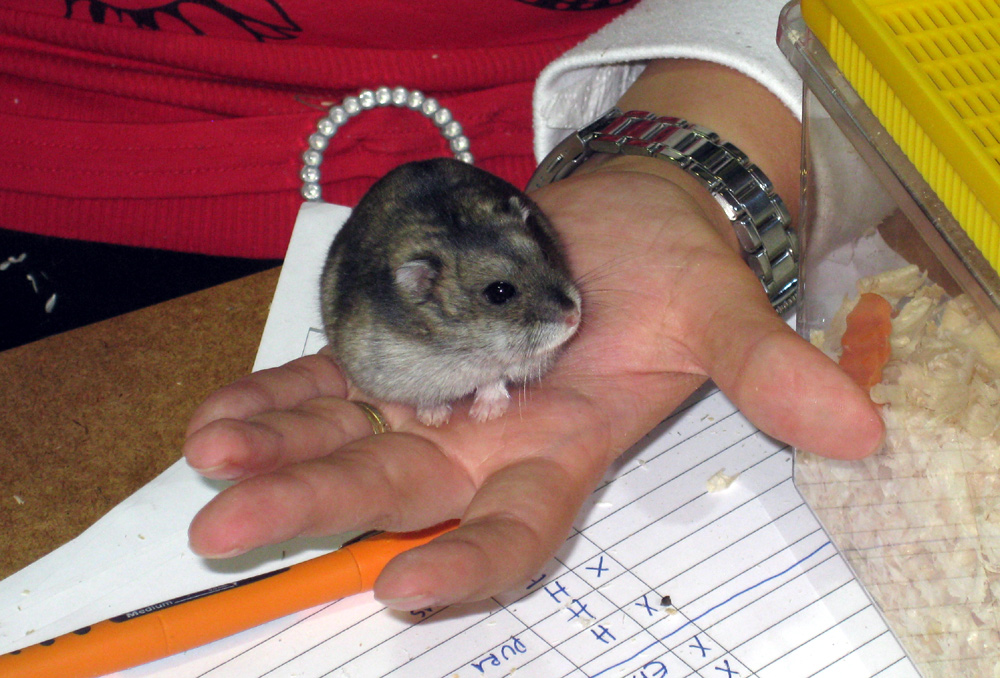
(415, 278)
(519, 208)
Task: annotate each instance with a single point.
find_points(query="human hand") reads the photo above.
(667, 303)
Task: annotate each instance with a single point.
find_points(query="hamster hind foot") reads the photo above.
(491, 401)
(434, 415)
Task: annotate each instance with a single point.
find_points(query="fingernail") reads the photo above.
(218, 472)
(228, 554)
(232, 553)
(409, 604)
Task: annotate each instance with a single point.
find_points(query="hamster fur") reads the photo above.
(444, 281)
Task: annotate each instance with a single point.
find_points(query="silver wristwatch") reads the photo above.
(759, 217)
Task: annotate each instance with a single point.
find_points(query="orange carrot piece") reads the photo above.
(866, 340)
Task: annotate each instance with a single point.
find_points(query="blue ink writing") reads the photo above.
(508, 651)
(603, 634)
(535, 582)
(581, 609)
(645, 605)
(651, 670)
(730, 672)
(556, 592)
(599, 568)
(698, 646)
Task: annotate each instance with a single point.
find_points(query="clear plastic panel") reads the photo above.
(919, 521)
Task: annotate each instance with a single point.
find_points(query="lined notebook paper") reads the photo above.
(659, 577)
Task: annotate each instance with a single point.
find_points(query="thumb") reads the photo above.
(788, 388)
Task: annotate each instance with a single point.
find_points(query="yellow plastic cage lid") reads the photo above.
(930, 72)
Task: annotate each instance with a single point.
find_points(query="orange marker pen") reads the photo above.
(180, 624)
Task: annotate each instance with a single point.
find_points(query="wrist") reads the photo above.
(745, 194)
(700, 197)
(732, 104)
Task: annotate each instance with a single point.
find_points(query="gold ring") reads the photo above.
(375, 418)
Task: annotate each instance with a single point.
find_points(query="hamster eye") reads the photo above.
(499, 292)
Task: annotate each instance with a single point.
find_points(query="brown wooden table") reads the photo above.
(90, 416)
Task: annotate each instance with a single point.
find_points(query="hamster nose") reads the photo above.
(572, 318)
(565, 302)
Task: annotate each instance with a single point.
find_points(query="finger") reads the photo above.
(809, 401)
(276, 388)
(395, 482)
(506, 537)
(788, 388)
(230, 449)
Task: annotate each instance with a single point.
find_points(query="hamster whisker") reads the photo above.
(519, 392)
(599, 299)
(588, 290)
(604, 269)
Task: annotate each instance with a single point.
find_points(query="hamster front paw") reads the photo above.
(434, 415)
(491, 401)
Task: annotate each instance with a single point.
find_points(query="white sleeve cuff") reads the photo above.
(586, 81)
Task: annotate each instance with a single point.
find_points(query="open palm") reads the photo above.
(667, 303)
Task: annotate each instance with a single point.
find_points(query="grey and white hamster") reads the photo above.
(444, 281)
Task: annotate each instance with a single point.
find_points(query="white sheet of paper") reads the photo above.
(755, 587)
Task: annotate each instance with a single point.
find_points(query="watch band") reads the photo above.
(759, 217)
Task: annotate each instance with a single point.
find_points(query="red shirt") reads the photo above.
(181, 124)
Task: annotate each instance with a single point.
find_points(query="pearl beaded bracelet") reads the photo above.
(351, 106)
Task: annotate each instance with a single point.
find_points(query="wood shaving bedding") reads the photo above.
(920, 520)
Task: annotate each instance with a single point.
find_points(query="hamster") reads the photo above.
(446, 281)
